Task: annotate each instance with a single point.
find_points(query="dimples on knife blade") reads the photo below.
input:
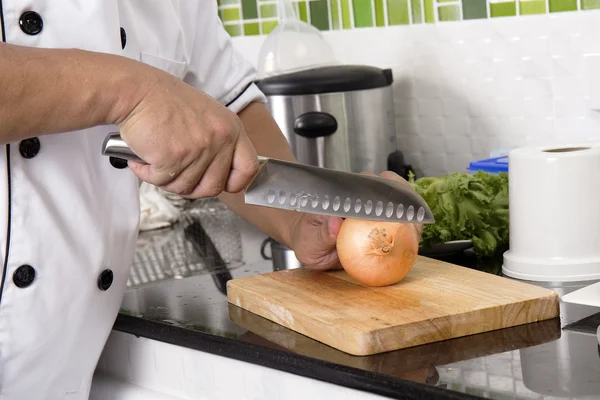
(330, 192)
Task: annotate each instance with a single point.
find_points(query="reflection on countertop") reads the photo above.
(179, 276)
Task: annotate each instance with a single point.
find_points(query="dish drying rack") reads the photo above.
(205, 240)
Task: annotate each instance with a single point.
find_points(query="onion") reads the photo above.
(377, 253)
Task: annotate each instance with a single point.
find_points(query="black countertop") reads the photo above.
(177, 295)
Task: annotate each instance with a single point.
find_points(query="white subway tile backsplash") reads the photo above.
(507, 88)
(430, 107)
(475, 69)
(433, 143)
(426, 89)
(407, 127)
(536, 108)
(564, 44)
(407, 107)
(505, 107)
(453, 32)
(458, 161)
(414, 159)
(572, 129)
(568, 64)
(455, 127)
(534, 46)
(478, 148)
(458, 145)
(478, 48)
(565, 86)
(482, 106)
(535, 67)
(451, 54)
(574, 107)
(455, 107)
(590, 42)
(411, 143)
(534, 88)
(538, 127)
(481, 127)
(505, 68)
(565, 24)
(435, 162)
(506, 47)
(431, 127)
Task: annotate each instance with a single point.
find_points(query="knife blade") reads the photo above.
(306, 188)
(588, 295)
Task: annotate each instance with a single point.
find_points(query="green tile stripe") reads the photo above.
(268, 26)
(503, 8)
(428, 5)
(335, 10)
(256, 17)
(319, 16)
(562, 5)
(249, 9)
(363, 13)
(379, 13)
(450, 12)
(398, 12)
(268, 10)
(234, 29)
(303, 11)
(417, 11)
(590, 4)
(230, 14)
(475, 9)
(346, 20)
(530, 7)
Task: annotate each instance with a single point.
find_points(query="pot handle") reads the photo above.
(263, 246)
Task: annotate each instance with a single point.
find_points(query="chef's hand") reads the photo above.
(313, 241)
(193, 146)
(314, 236)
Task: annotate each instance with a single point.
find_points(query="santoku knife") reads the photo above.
(305, 188)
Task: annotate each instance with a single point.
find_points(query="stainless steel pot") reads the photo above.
(339, 117)
(282, 256)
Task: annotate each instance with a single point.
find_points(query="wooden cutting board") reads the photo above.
(435, 301)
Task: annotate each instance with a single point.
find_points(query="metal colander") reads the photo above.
(206, 239)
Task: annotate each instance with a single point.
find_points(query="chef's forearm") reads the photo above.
(268, 142)
(45, 91)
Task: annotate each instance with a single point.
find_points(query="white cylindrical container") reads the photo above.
(554, 208)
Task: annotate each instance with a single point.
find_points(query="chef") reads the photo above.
(165, 75)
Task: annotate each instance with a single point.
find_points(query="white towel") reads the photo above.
(156, 211)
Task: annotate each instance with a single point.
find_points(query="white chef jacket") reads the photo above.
(68, 217)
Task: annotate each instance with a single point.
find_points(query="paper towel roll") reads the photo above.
(554, 208)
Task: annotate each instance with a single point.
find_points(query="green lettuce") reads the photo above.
(466, 207)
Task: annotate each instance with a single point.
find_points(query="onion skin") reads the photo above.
(377, 253)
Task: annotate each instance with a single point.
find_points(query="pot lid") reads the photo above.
(329, 79)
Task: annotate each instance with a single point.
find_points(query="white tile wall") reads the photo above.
(134, 368)
(465, 89)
